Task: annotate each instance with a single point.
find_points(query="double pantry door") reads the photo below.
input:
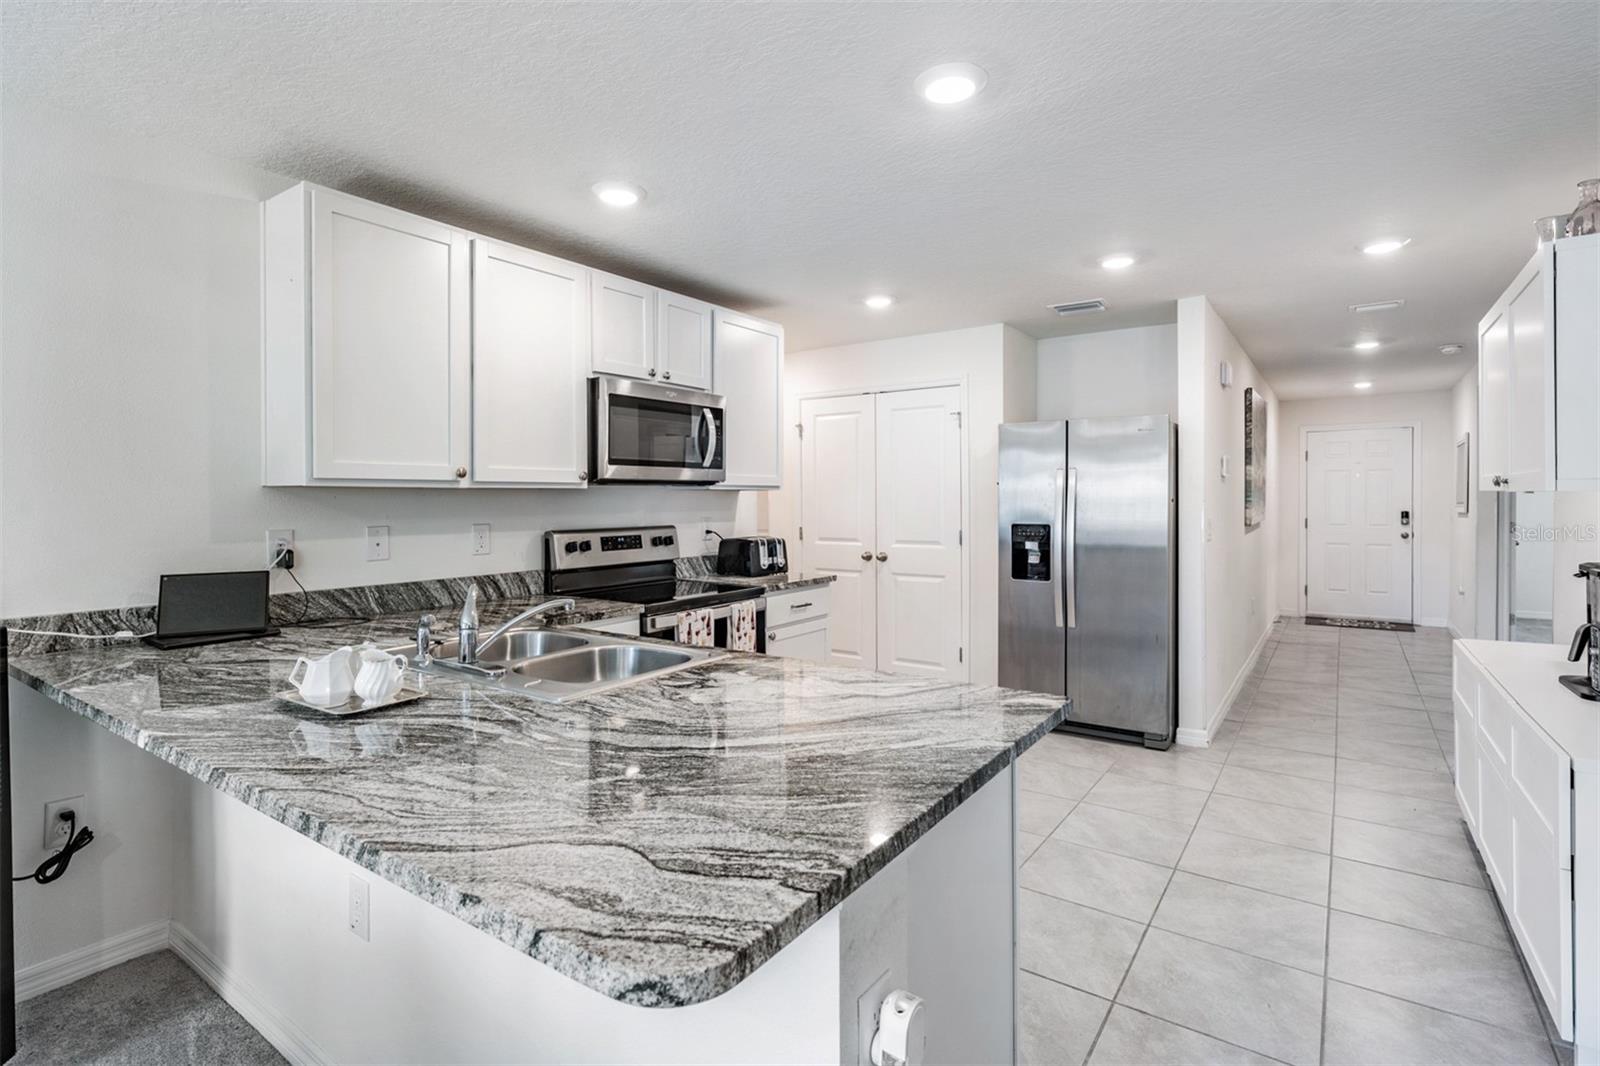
(881, 510)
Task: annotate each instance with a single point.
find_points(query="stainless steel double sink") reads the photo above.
(557, 665)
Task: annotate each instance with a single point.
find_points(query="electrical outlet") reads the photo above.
(278, 542)
(377, 543)
(360, 908)
(867, 1005)
(56, 828)
(480, 538)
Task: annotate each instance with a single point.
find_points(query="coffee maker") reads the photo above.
(1587, 639)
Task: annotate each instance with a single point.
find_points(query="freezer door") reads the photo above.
(1033, 623)
(1121, 575)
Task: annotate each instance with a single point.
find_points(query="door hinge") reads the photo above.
(957, 415)
(961, 655)
(802, 535)
(1307, 522)
(800, 428)
(1307, 590)
(1308, 455)
(961, 537)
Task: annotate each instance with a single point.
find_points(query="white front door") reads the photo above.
(881, 510)
(919, 533)
(837, 518)
(1360, 523)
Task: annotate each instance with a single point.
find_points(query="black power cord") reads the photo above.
(56, 865)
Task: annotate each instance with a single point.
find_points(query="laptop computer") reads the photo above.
(195, 609)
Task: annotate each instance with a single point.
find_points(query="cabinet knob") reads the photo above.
(583, 475)
(866, 557)
(461, 471)
(1405, 536)
(652, 372)
(883, 557)
(666, 375)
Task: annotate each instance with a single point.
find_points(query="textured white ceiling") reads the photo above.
(1241, 150)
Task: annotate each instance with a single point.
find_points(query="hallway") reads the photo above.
(1303, 891)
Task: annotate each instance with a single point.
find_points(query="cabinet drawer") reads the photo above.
(797, 606)
(1495, 717)
(802, 640)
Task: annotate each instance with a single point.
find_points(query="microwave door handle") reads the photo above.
(1056, 592)
(711, 436)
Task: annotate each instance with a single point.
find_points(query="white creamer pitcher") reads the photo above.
(325, 681)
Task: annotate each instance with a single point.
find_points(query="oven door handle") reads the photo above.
(656, 623)
(711, 435)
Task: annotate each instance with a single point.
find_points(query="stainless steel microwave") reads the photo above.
(640, 431)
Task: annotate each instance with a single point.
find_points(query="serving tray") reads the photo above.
(354, 704)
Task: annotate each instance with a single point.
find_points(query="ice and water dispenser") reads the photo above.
(1030, 552)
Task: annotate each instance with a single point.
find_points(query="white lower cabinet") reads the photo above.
(797, 623)
(1527, 806)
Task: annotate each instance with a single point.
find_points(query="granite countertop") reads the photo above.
(775, 582)
(656, 842)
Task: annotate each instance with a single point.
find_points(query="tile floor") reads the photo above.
(1300, 892)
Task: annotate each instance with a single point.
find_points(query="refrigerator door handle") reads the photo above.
(1069, 535)
(1056, 591)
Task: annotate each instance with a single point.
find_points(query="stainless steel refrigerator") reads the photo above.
(1089, 570)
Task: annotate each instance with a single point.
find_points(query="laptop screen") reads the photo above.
(200, 604)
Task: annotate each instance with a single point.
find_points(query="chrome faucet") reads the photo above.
(564, 604)
(467, 628)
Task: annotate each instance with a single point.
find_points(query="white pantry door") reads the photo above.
(1358, 550)
(837, 516)
(881, 510)
(919, 533)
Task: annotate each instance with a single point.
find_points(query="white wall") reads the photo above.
(1534, 557)
(1433, 523)
(1112, 373)
(978, 358)
(1472, 535)
(130, 384)
(1226, 576)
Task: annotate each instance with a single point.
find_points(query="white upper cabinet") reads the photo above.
(747, 361)
(683, 340)
(1539, 374)
(365, 343)
(624, 326)
(530, 367)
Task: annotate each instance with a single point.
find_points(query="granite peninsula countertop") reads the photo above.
(656, 842)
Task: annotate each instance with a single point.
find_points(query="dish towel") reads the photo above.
(696, 629)
(742, 626)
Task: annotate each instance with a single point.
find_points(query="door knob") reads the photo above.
(1405, 536)
(883, 557)
(866, 557)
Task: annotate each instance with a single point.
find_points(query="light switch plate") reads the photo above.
(377, 543)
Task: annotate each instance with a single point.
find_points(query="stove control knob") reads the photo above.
(571, 547)
(655, 542)
(584, 545)
(666, 540)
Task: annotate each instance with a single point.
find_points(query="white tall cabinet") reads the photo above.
(530, 353)
(1539, 374)
(367, 349)
(747, 370)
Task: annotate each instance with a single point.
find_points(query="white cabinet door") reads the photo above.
(919, 533)
(747, 361)
(623, 326)
(1494, 400)
(683, 340)
(838, 513)
(530, 361)
(1540, 870)
(391, 369)
(1530, 437)
(803, 640)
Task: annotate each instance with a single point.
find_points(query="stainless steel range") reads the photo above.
(638, 564)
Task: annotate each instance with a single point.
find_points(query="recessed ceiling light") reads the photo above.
(1449, 349)
(1386, 245)
(879, 301)
(1365, 346)
(1363, 385)
(1120, 261)
(951, 83)
(618, 193)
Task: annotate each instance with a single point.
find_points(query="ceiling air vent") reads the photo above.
(1381, 305)
(1079, 307)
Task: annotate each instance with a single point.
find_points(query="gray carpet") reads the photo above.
(149, 1011)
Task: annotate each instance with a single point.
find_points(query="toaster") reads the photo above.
(752, 556)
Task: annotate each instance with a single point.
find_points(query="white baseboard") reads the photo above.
(282, 1033)
(41, 977)
(1437, 623)
(1201, 738)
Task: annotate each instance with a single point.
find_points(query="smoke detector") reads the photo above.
(1380, 305)
(1078, 307)
(1449, 349)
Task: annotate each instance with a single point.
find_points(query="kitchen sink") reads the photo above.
(556, 665)
(613, 662)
